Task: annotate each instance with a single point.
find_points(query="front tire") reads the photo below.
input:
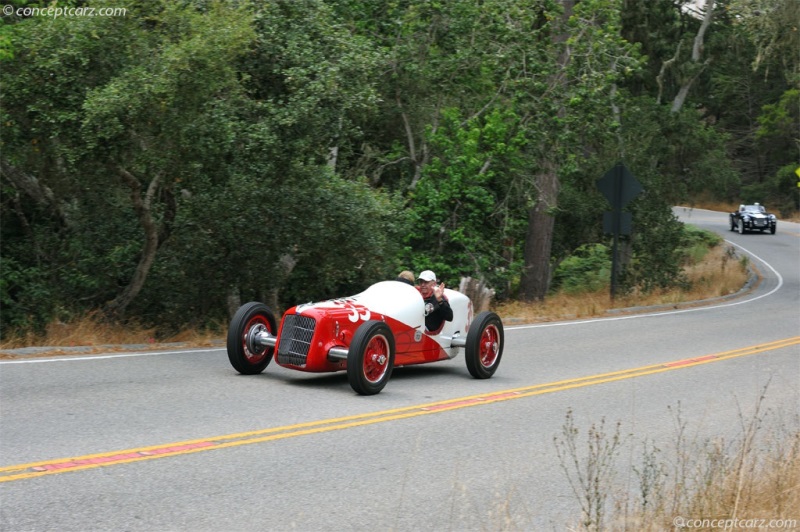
(484, 347)
(370, 359)
(245, 356)
(772, 230)
(741, 227)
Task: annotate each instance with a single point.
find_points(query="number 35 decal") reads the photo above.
(357, 312)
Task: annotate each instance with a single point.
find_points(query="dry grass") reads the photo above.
(92, 331)
(741, 484)
(699, 483)
(718, 274)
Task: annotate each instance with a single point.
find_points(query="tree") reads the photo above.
(464, 215)
(696, 67)
(173, 131)
(434, 58)
(771, 27)
(448, 133)
(147, 115)
(586, 58)
(47, 242)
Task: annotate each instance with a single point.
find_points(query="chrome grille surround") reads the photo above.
(295, 340)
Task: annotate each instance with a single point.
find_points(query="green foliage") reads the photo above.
(657, 28)
(779, 193)
(6, 47)
(310, 80)
(778, 138)
(338, 235)
(697, 243)
(462, 209)
(178, 95)
(676, 156)
(780, 120)
(656, 245)
(771, 25)
(22, 288)
(587, 270)
(349, 238)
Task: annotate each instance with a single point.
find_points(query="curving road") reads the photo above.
(178, 441)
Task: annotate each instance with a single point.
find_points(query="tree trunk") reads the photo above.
(697, 52)
(285, 265)
(535, 279)
(115, 309)
(478, 293)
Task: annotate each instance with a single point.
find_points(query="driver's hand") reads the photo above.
(438, 291)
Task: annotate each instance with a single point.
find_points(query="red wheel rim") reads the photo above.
(256, 323)
(489, 346)
(376, 359)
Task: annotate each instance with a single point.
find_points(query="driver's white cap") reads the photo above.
(427, 275)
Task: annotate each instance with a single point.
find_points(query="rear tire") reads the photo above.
(370, 359)
(484, 347)
(243, 354)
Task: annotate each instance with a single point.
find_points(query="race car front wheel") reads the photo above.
(484, 345)
(245, 354)
(370, 359)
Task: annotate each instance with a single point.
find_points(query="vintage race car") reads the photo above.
(752, 218)
(367, 335)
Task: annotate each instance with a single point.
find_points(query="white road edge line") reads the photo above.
(101, 357)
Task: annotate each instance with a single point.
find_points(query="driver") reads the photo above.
(437, 307)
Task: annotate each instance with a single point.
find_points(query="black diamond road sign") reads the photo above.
(619, 186)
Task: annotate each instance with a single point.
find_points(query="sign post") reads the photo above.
(619, 187)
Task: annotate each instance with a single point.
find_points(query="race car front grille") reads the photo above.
(295, 339)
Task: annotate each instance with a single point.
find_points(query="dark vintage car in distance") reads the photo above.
(753, 218)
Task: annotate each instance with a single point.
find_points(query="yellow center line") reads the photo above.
(50, 467)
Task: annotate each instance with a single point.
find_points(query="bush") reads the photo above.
(697, 243)
(587, 270)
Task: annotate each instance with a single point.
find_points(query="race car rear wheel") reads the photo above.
(484, 345)
(370, 359)
(245, 354)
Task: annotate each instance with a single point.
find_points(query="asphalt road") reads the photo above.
(179, 441)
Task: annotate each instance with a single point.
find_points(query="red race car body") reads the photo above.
(367, 335)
